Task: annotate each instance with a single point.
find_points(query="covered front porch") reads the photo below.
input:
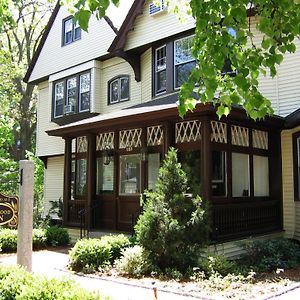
(233, 163)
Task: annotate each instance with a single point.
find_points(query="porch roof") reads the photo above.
(159, 110)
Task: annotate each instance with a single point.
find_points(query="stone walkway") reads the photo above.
(53, 264)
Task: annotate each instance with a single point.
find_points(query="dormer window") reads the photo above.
(118, 89)
(71, 31)
(72, 95)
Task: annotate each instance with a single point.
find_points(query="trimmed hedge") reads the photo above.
(90, 255)
(16, 283)
(52, 236)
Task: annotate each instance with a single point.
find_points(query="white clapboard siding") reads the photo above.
(53, 181)
(110, 69)
(146, 75)
(54, 57)
(46, 145)
(148, 28)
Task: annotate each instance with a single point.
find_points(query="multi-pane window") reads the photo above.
(160, 70)
(72, 95)
(71, 30)
(84, 92)
(59, 99)
(184, 62)
(118, 89)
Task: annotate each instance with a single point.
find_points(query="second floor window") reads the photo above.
(72, 95)
(71, 31)
(118, 89)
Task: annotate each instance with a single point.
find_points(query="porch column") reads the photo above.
(67, 178)
(206, 159)
(169, 137)
(91, 172)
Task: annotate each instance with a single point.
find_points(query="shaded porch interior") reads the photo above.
(233, 163)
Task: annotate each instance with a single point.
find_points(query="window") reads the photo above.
(118, 89)
(240, 175)
(296, 146)
(105, 176)
(59, 99)
(160, 69)
(71, 31)
(183, 60)
(72, 95)
(153, 169)
(261, 176)
(173, 63)
(219, 176)
(130, 174)
(81, 177)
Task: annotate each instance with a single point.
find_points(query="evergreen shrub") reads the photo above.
(270, 255)
(57, 236)
(173, 228)
(16, 283)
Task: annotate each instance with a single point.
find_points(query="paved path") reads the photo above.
(53, 264)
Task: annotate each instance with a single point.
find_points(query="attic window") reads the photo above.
(71, 31)
(155, 9)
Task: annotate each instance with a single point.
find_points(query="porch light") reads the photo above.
(107, 156)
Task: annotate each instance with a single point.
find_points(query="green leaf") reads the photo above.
(83, 17)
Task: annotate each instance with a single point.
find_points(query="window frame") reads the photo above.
(182, 63)
(296, 165)
(117, 79)
(65, 98)
(74, 27)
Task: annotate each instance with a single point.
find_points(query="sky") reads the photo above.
(118, 14)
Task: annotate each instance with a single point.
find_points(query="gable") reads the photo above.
(54, 57)
(150, 28)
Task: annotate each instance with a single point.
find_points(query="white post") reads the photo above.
(25, 218)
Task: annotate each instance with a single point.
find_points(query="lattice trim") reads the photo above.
(130, 138)
(81, 144)
(105, 141)
(239, 136)
(260, 139)
(188, 131)
(218, 132)
(155, 135)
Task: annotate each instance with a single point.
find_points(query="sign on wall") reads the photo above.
(8, 211)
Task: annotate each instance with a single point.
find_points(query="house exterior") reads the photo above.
(107, 115)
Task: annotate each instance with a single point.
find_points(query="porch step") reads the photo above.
(74, 234)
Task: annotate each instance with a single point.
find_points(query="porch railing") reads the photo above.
(239, 220)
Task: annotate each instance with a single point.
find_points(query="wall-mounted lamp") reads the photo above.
(107, 156)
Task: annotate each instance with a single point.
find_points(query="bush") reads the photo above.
(89, 255)
(16, 283)
(134, 262)
(8, 239)
(269, 255)
(39, 239)
(172, 227)
(116, 243)
(57, 236)
(218, 264)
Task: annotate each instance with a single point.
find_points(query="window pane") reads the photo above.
(190, 162)
(73, 179)
(68, 31)
(161, 81)
(59, 99)
(183, 50)
(114, 91)
(124, 88)
(182, 72)
(130, 174)
(84, 92)
(77, 32)
(261, 175)
(81, 177)
(160, 59)
(153, 168)
(105, 176)
(72, 92)
(219, 173)
(240, 175)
